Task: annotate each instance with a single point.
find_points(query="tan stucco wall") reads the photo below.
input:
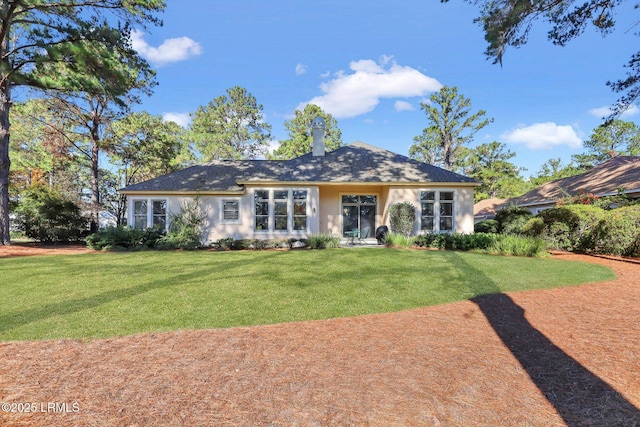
(331, 202)
(463, 206)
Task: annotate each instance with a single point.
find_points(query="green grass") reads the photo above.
(113, 294)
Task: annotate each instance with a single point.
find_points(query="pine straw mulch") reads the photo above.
(568, 356)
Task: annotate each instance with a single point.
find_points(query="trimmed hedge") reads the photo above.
(503, 244)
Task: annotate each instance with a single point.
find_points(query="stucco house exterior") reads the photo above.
(336, 192)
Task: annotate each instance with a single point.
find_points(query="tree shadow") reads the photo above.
(39, 313)
(579, 396)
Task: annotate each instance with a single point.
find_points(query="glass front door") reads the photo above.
(359, 214)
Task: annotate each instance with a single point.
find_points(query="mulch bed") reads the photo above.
(567, 356)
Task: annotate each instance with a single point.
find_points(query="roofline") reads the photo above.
(375, 183)
(553, 201)
(179, 193)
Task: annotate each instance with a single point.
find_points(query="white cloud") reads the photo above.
(403, 106)
(300, 69)
(602, 112)
(540, 136)
(350, 95)
(183, 119)
(171, 50)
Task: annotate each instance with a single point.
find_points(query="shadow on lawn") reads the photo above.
(580, 397)
(14, 320)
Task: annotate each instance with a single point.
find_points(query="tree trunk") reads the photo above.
(5, 163)
(95, 189)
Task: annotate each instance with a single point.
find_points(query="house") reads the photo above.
(487, 208)
(351, 188)
(605, 179)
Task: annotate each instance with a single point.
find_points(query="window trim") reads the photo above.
(149, 214)
(237, 200)
(271, 215)
(436, 209)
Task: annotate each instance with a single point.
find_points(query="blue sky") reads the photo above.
(371, 64)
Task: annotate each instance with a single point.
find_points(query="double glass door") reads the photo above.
(359, 213)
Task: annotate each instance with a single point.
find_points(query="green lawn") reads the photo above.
(112, 294)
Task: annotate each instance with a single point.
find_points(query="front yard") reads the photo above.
(115, 294)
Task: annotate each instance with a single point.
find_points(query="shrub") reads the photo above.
(566, 227)
(324, 241)
(402, 217)
(512, 218)
(44, 215)
(394, 240)
(518, 246)
(485, 242)
(123, 237)
(618, 233)
(486, 226)
(185, 228)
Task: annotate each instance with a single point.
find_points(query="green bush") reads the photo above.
(618, 233)
(486, 226)
(185, 228)
(485, 242)
(402, 217)
(324, 241)
(124, 238)
(45, 216)
(512, 218)
(566, 227)
(394, 240)
(505, 244)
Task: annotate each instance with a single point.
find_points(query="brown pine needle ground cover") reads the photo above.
(566, 356)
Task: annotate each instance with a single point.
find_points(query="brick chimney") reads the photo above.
(317, 128)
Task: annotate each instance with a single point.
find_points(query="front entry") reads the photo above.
(359, 213)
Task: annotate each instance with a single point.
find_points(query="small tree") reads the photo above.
(402, 217)
(44, 215)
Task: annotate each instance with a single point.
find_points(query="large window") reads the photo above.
(280, 210)
(150, 213)
(437, 211)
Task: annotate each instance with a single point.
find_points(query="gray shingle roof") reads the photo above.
(357, 162)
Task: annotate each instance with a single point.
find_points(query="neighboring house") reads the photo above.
(606, 179)
(487, 208)
(350, 188)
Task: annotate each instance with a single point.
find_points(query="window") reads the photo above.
(280, 210)
(437, 211)
(140, 214)
(446, 211)
(160, 214)
(427, 202)
(262, 209)
(300, 210)
(149, 213)
(230, 211)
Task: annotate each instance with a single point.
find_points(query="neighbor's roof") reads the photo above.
(354, 163)
(605, 179)
(488, 207)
